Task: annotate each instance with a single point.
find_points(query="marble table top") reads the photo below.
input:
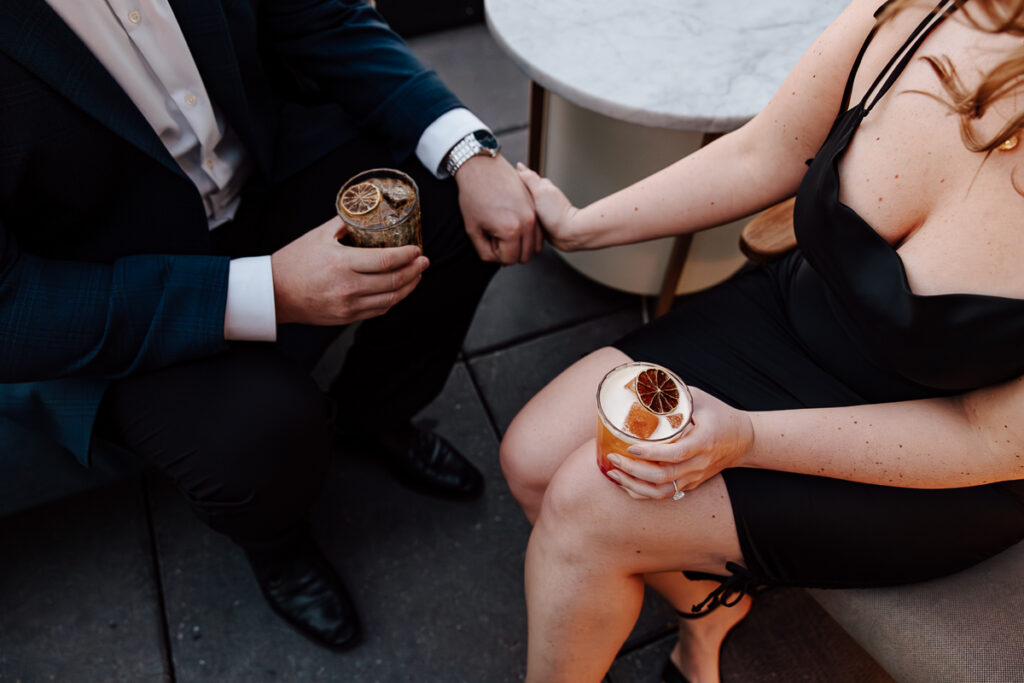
(700, 65)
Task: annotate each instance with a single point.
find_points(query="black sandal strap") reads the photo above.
(730, 590)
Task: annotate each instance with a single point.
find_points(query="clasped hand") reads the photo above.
(498, 211)
(720, 437)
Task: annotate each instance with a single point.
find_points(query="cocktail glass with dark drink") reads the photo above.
(380, 208)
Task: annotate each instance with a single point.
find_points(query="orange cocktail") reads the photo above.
(639, 403)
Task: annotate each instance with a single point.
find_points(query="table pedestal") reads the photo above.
(589, 155)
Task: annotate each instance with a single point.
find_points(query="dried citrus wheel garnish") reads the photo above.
(360, 199)
(657, 391)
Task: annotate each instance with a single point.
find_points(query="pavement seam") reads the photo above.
(490, 350)
(474, 382)
(165, 633)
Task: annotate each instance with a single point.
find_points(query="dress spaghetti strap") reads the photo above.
(902, 56)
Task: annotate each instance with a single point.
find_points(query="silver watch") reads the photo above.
(477, 143)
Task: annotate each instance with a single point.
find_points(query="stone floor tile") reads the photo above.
(444, 578)
(473, 66)
(438, 584)
(545, 294)
(787, 637)
(508, 378)
(78, 596)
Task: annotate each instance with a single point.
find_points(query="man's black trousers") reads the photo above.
(246, 434)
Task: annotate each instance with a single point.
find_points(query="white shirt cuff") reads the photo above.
(249, 314)
(442, 135)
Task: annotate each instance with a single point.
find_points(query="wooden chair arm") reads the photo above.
(769, 234)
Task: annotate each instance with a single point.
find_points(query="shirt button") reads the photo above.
(135, 16)
(190, 100)
(209, 164)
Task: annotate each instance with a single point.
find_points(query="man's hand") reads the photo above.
(498, 211)
(319, 281)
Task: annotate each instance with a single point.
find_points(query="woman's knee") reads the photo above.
(522, 463)
(556, 421)
(578, 509)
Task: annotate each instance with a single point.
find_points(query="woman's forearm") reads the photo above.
(745, 171)
(934, 443)
(719, 183)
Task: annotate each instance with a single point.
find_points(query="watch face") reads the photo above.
(486, 139)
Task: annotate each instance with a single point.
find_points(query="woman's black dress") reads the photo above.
(834, 323)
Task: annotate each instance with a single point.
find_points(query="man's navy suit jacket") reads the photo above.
(104, 248)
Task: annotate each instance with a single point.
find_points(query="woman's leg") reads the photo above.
(586, 561)
(590, 550)
(552, 425)
(561, 419)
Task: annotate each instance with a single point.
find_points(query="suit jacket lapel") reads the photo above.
(34, 35)
(209, 40)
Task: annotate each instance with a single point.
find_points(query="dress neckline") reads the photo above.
(859, 111)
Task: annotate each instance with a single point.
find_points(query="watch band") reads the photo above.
(467, 148)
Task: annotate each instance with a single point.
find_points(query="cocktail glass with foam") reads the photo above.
(640, 403)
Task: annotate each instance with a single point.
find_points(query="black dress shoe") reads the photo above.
(424, 462)
(304, 590)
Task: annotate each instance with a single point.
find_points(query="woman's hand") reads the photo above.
(554, 211)
(719, 438)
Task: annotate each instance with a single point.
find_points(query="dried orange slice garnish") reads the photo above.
(657, 391)
(360, 199)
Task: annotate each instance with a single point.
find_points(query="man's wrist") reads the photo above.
(441, 135)
(478, 143)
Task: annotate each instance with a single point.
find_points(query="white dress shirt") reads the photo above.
(140, 43)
